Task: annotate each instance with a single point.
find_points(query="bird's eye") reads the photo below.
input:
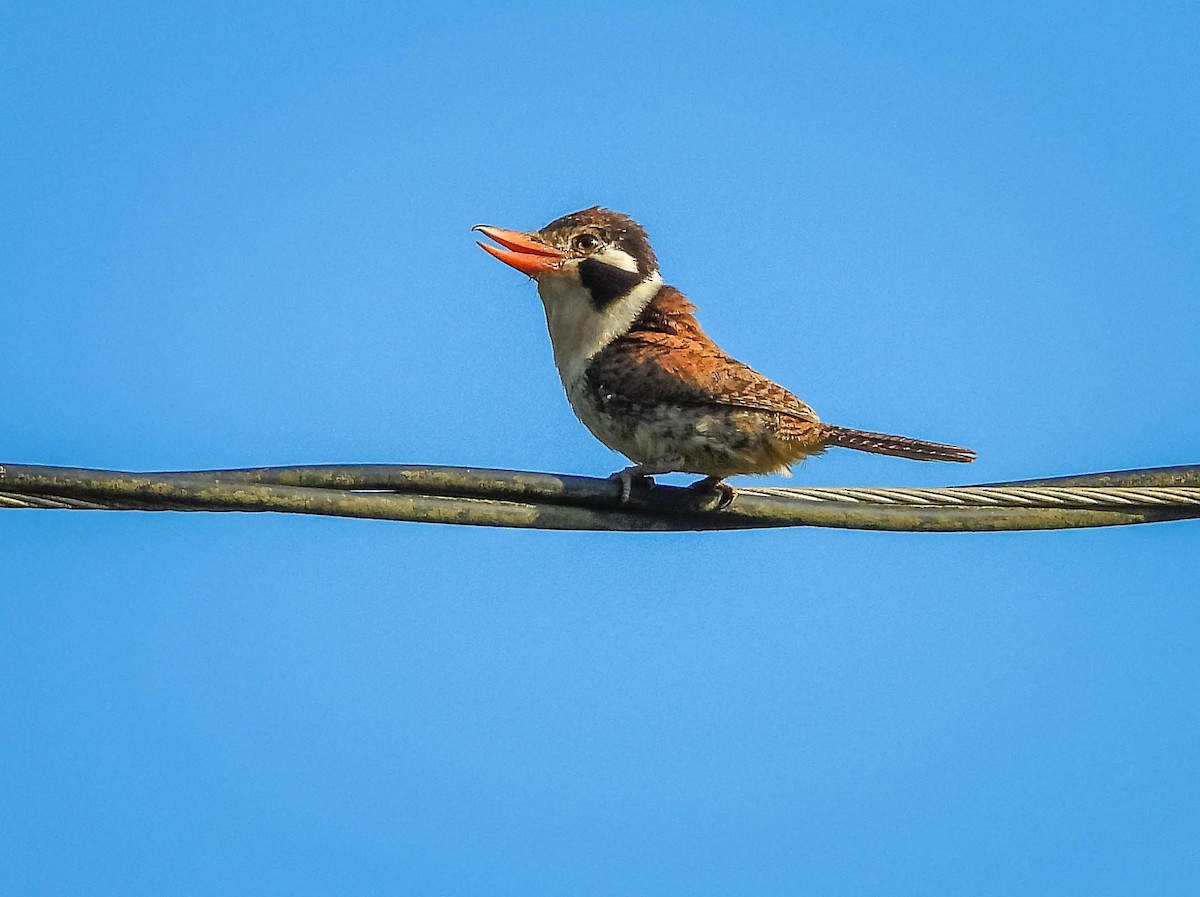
(586, 242)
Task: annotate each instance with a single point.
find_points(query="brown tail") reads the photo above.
(900, 446)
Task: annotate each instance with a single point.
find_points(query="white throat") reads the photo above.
(577, 330)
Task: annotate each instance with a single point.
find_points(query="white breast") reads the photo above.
(577, 330)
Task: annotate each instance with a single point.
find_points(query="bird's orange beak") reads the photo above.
(525, 252)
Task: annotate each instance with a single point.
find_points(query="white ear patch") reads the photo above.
(618, 258)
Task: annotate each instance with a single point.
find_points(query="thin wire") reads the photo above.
(482, 497)
(1000, 496)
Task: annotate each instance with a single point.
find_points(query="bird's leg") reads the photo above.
(723, 491)
(643, 472)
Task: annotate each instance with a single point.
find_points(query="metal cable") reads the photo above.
(1121, 497)
(482, 497)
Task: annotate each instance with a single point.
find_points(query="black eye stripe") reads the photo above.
(606, 284)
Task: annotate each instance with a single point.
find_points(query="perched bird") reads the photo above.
(647, 381)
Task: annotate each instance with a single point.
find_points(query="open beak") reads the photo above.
(525, 252)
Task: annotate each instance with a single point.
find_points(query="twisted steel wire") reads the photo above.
(482, 497)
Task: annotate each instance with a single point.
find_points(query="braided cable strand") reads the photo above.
(481, 497)
(1119, 497)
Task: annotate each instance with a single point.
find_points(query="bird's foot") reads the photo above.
(627, 476)
(722, 491)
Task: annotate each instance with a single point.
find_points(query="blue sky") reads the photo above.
(239, 237)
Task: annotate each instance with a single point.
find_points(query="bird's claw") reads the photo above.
(722, 491)
(626, 477)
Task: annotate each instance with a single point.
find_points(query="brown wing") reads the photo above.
(666, 358)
